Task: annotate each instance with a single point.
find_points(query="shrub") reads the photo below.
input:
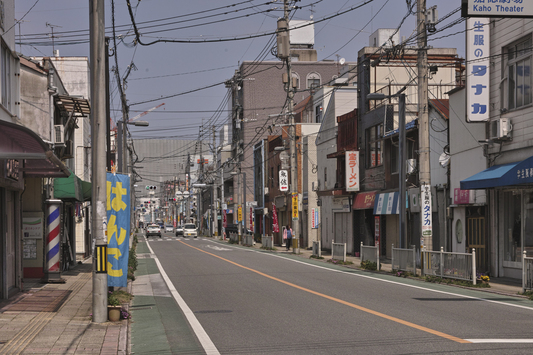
(369, 265)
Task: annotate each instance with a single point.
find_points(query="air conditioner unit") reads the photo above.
(500, 129)
(59, 134)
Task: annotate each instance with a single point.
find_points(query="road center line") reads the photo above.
(352, 305)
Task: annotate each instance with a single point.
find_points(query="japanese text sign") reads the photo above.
(294, 206)
(352, 171)
(118, 229)
(425, 202)
(477, 69)
(275, 225)
(283, 180)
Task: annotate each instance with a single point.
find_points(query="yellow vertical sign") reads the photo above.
(294, 206)
(239, 214)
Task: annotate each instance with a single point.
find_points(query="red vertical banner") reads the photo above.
(224, 219)
(251, 218)
(275, 225)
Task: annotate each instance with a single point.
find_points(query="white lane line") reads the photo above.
(501, 341)
(207, 344)
(383, 280)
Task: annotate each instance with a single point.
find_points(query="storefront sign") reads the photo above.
(32, 225)
(224, 219)
(314, 218)
(477, 69)
(239, 214)
(461, 197)
(12, 169)
(364, 200)
(251, 218)
(497, 8)
(425, 198)
(275, 225)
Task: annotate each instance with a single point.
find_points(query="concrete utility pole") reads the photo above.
(214, 206)
(423, 116)
(98, 134)
(292, 133)
(188, 188)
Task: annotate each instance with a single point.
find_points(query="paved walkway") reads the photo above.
(56, 319)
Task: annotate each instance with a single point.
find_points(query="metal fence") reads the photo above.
(248, 240)
(317, 250)
(404, 259)
(338, 251)
(234, 237)
(460, 266)
(527, 273)
(267, 241)
(370, 253)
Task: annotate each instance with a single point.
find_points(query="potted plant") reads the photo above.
(113, 308)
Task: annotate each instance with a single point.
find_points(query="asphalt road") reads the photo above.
(254, 302)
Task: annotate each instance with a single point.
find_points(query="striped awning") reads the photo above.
(387, 203)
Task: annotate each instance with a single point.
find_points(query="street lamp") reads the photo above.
(121, 142)
(402, 152)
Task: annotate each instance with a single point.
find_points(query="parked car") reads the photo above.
(169, 228)
(153, 229)
(189, 230)
(179, 230)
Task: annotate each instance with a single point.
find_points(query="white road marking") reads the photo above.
(205, 340)
(218, 248)
(501, 341)
(383, 280)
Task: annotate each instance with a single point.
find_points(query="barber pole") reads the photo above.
(53, 235)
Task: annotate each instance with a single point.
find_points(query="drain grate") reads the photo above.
(138, 308)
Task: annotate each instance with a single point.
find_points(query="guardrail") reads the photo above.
(461, 266)
(317, 250)
(404, 259)
(267, 241)
(527, 273)
(370, 253)
(338, 251)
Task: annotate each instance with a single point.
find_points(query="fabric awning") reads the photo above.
(72, 188)
(21, 143)
(518, 173)
(387, 203)
(364, 200)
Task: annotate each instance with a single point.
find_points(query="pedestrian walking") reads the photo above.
(287, 235)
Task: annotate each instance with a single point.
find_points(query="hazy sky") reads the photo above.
(170, 69)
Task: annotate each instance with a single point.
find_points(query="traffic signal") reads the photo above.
(150, 187)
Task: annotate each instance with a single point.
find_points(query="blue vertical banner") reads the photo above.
(118, 229)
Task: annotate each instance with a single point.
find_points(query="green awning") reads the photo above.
(72, 188)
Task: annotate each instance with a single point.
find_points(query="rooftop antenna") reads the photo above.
(312, 11)
(20, 33)
(52, 27)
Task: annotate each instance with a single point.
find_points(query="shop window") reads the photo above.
(374, 146)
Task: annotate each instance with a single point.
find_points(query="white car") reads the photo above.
(189, 230)
(153, 229)
(169, 228)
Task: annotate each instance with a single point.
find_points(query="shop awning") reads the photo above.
(387, 203)
(22, 144)
(364, 200)
(72, 188)
(518, 173)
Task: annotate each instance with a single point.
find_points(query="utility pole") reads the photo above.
(188, 187)
(215, 205)
(292, 133)
(98, 134)
(200, 179)
(423, 116)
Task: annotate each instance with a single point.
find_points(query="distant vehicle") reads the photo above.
(179, 230)
(169, 228)
(153, 229)
(189, 230)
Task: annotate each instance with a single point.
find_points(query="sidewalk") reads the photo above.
(55, 319)
(499, 285)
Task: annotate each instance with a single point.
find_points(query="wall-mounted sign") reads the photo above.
(425, 201)
(12, 169)
(294, 206)
(477, 69)
(497, 8)
(283, 180)
(352, 171)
